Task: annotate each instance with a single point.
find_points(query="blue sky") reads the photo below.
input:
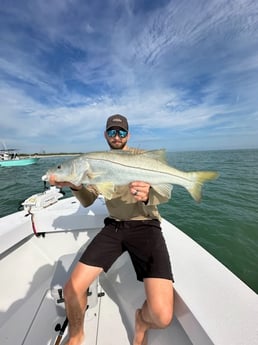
(184, 72)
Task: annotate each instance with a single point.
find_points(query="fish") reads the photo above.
(108, 169)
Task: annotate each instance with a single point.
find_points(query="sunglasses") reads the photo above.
(113, 132)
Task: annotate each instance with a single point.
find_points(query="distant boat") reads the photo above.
(9, 158)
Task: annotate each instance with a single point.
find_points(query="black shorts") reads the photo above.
(142, 239)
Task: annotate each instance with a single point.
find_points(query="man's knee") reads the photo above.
(164, 317)
(161, 313)
(80, 280)
(71, 290)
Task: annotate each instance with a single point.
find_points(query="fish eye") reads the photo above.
(59, 166)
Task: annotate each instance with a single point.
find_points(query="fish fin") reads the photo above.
(159, 155)
(198, 179)
(90, 175)
(106, 189)
(163, 189)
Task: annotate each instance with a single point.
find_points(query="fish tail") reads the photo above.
(198, 179)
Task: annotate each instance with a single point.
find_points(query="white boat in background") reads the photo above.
(39, 247)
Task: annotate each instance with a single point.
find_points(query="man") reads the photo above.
(132, 207)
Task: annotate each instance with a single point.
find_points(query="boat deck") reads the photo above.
(112, 300)
(106, 321)
(212, 306)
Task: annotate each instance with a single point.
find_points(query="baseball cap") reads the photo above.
(117, 120)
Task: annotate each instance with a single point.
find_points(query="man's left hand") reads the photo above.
(140, 190)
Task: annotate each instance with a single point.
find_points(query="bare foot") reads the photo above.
(140, 336)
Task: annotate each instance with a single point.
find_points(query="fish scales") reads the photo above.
(122, 172)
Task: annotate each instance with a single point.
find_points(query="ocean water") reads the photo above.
(225, 223)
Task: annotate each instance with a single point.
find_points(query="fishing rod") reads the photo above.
(61, 331)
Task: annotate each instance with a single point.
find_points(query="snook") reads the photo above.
(113, 168)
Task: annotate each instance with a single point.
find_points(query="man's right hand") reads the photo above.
(62, 184)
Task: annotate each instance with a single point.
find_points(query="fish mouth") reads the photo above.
(50, 178)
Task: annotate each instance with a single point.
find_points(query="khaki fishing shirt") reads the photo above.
(123, 205)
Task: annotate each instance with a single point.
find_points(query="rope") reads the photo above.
(36, 233)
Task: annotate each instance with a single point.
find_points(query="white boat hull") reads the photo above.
(212, 306)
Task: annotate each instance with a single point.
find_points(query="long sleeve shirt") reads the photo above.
(123, 205)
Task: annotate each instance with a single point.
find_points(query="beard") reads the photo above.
(116, 144)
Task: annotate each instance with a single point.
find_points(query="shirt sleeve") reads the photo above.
(86, 195)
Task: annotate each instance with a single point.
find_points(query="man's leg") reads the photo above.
(157, 310)
(75, 295)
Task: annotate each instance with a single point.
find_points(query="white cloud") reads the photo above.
(179, 68)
